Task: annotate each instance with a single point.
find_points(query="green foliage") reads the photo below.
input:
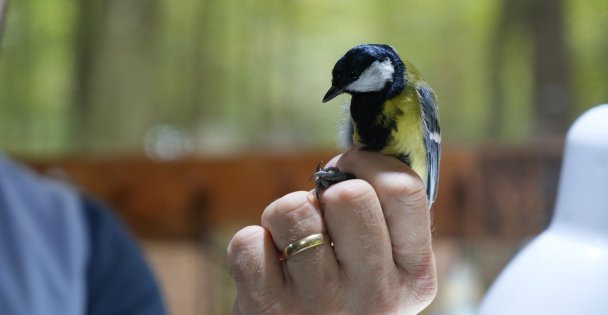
(244, 74)
(588, 46)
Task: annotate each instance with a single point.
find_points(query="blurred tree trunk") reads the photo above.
(203, 95)
(89, 26)
(2, 14)
(116, 80)
(511, 15)
(543, 22)
(552, 91)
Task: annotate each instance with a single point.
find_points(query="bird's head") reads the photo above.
(367, 69)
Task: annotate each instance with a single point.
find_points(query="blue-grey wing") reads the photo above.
(432, 138)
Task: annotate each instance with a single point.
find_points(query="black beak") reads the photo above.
(333, 92)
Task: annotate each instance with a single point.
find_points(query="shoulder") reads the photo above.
(71, 243)
(119, 280)
(42, 224)
(48, 205)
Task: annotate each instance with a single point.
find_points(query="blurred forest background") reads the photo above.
(107, 77)
(189, 116)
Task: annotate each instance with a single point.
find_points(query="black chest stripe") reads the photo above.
(373, 127)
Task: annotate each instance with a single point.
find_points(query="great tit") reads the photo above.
(392, 111)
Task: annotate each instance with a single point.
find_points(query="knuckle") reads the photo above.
(278, 208)
(292, 217)
(264, 301)
(300, 216)
(403, 185)
(407, 190)
(248, 270)
(422, 278)
(331, 284)
(387, 303)
(298, 223)
(425, 291)
(242, 240)
(386, 297)
(242, 254)
(351, 191)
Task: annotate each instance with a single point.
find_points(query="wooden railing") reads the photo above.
(492, 191)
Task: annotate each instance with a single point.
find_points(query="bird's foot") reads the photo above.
(329, 176)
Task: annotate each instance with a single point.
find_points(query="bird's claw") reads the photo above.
(326, 177)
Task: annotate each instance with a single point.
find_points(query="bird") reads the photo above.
(392, 111)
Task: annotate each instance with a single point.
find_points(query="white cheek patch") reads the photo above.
(374, 78)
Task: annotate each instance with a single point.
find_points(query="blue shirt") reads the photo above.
(62, 253)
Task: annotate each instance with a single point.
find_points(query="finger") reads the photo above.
(402, 195)
(333, 161)
(254, 264)
(356, 224)
(290, 219)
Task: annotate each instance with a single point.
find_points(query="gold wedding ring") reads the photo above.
(304, 244)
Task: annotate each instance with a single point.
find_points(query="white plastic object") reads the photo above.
(565, 269)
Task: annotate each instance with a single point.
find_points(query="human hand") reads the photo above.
(381, 262)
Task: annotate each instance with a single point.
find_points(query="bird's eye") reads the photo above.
(353, 75)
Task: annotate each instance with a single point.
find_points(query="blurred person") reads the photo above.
(366, 250)
(63, 253)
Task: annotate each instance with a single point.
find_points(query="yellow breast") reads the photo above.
(407, 137)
